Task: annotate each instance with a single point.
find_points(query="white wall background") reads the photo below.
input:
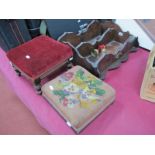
(132, 26)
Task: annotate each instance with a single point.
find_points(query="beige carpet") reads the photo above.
(15, 118)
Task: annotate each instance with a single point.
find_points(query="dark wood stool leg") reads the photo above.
(69, 63)
(18, 72)
(37, 86)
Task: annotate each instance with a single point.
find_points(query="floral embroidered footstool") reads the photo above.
(78, 96)
(39, 57)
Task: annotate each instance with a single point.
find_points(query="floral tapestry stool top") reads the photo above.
(78, 96)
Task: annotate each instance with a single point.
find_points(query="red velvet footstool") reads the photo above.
(38, 58)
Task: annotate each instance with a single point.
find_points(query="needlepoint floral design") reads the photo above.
(78, 89)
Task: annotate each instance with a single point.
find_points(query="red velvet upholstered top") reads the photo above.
(39, 55)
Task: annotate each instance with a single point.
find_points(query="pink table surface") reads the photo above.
(128, 115)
